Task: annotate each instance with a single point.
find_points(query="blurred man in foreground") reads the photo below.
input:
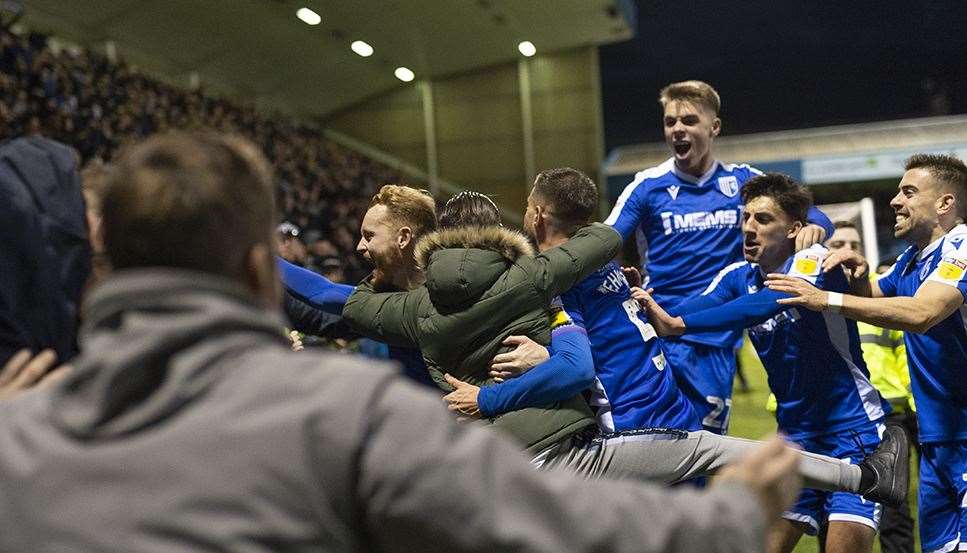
(189, 424)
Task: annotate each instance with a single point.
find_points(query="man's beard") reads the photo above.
(386, 267)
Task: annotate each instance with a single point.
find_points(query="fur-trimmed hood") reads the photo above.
(462, 263)
(508, 243)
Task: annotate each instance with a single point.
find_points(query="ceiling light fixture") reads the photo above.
(404, 74)
(308, 16)
(527, 48)
(361, 48)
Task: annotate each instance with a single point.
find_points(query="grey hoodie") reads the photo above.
(188, 425)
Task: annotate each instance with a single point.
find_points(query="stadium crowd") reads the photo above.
(577, 390)
(81, 98)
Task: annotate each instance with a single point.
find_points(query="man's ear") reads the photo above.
(404, 237)
(261, 275)
(716, 127)
(945, 203)
(794, 230)
(540, 216)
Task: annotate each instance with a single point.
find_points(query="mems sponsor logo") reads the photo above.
(699, 220)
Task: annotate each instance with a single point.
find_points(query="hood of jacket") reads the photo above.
(148, 342)
(462, 263)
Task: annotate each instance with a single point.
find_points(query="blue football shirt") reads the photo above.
(937, 358)
(688, 229)
(813, 360)
(634, 387)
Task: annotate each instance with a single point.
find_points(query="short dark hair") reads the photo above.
(844, 224)
(789, 195)
(191, 200)
(469, 208)
(949, 171)
(571, 195)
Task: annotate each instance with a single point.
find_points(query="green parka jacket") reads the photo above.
(482, 285)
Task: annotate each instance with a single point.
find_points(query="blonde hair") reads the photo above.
(408, 206)
(696, 92)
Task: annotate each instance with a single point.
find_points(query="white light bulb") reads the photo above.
(361, 48)
(527, 48)
(308, 16)
(404, 74)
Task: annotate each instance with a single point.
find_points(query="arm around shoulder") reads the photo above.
(388, 317)
(561, 267)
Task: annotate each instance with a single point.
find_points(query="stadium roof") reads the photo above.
(258, 50)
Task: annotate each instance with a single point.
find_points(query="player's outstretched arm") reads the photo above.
(857, 270)
(739, 313)
(932, 303)
(314, 289)
(568, 371)
(558, 269)
(389, 317)
(664, 324)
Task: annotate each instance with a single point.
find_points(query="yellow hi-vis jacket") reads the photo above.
(885, 354)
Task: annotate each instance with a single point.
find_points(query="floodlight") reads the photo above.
(404, 74)
(308, 16)
(361, 48)
(527, 48)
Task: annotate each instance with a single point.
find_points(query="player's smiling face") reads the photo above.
(377, 240)
(915, 207)
(768, 233)
(689, 131)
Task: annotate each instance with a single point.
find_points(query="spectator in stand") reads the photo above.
(81, 98)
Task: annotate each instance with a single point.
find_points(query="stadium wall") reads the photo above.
(493, 129)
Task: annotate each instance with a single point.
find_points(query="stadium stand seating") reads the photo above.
(83, 99)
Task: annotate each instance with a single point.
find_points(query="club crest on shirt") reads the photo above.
(951, 268)
(806, 264)
(729, 186)
(673, 191)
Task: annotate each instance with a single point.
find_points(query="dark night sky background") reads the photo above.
(789, 64)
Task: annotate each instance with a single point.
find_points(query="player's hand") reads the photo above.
(463, 399)
(855, 264)
(664, 324)
(803, 294)
(22, 372)
(809, 235)
(642, 296)
(526, 355)
(632, 275)
(771, 472)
